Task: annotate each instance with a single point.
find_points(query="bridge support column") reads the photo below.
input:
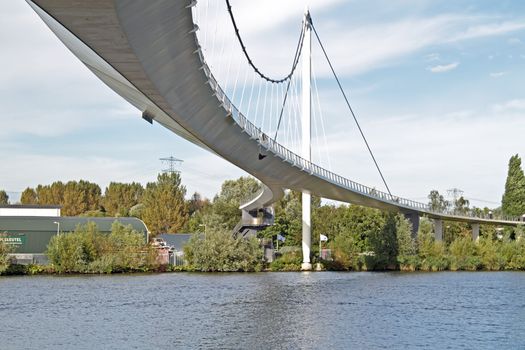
(414, 220)
(307, 232)
(475, 231)
(306, 137)
(438, 229)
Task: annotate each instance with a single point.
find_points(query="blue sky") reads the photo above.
(437, 85)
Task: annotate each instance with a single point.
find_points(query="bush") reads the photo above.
(87, 250)
(289, 260)
(345, 254)
(432, 254)
(491, 254)
(464, 255)
(5, 260)
(219, 251)
(514, 252)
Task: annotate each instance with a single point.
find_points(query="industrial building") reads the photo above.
(29, 231)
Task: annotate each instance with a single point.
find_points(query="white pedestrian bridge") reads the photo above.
(149, 53)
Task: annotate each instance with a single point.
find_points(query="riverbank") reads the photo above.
(33, 270)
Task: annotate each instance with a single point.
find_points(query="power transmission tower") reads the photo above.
(171, 162)
(455, 194)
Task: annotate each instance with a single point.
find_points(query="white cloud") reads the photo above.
(497, 74)
(443, 68)
(490, 29)
(516, 105)
(432, 57)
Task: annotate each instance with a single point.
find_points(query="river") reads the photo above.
(448, 310)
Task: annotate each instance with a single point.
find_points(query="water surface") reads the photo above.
(450, 310)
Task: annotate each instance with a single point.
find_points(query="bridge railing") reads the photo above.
(295, 160)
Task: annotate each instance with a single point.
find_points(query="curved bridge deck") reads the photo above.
(148, 52)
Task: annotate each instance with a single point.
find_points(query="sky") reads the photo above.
(437, 86)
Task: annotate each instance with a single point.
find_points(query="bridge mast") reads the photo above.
(306, 137)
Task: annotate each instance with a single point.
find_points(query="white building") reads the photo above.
(30, 210)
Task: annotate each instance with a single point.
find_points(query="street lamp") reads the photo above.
(58, 226)
(203, 225)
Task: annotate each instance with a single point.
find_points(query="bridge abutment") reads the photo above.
(413, 217)
(475, 231)
(438, 229)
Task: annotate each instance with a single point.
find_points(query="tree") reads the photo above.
(461, 206)
(288, 219)
(199, 211)
(119, 198)
(513, 201)
(437, 201)
(196, 203)
(50, 194)
(233, 193)
(29, 196)
(164, 209)
(80, 197)
(4, 198)
(384, 245)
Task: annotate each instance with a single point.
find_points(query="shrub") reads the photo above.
(345, 254)
(88, 250)
(464, 255)
(514, 252)
(491, 254)
(432, 254)
(289, 260)
(219, 251)
(5, 260)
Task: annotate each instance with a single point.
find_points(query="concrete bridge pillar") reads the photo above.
(438, 229)
(413, 217)
(475, 231)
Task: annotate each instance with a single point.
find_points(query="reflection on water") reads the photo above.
(267, 310)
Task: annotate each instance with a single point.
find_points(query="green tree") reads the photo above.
(50, 194)
(345, 253)
(29, 196)
(199, 211)
(437, 202)
(4, 198)
(165, 209)
(288, 219)
(513, 201)
(233, 193)
(461, 206)
(384, 245)
(80, 197)
(119, 198)
(406, 245)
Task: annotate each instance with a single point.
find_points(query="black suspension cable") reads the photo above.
(250, 62)
(350, 107)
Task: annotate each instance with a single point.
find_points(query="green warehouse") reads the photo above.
(31, 234)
